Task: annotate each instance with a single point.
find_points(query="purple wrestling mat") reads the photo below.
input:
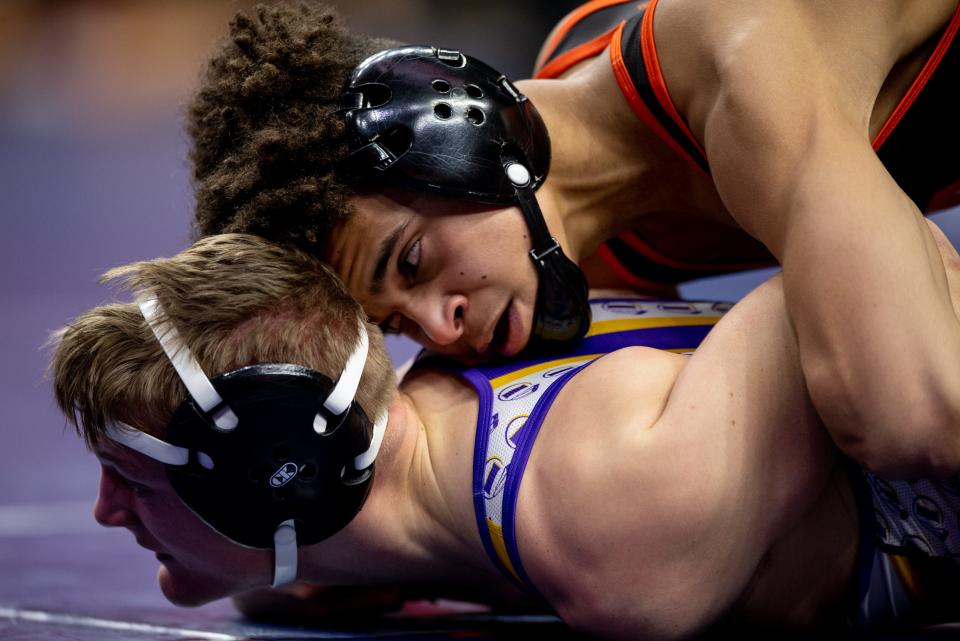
(87, 186)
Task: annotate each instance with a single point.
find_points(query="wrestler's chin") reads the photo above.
(186, 591)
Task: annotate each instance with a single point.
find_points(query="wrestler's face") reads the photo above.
(454, 276)
(197, 565)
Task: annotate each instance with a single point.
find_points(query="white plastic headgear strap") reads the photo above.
(187, 367)
(285, 554)
(146, 444)
(346, 388)
(365, 460)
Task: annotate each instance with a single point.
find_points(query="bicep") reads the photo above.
(640, 535)
(865, 287)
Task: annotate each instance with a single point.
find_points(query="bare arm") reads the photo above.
(864, 283)
(658, 483)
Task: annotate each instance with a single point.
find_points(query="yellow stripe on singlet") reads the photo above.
(619, 325)
(901, 565)
(496, 537)
(520, 373)
(500, 381)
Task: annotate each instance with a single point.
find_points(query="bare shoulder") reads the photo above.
(581, 532)
(608, 539)
(710, 51)
(436, 388)
(650, 495)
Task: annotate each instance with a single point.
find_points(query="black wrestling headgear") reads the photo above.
(441, 121)
(270, 456)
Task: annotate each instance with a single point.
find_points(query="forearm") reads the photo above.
(879, 339)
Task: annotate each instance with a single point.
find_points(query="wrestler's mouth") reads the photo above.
(506, 335)
(501, 332)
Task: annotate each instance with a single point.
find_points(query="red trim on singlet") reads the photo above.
(569, 23)
(637, 103)
(652, 64)
(581, 52)
(624, 274)
(920, 81)
(632, 240)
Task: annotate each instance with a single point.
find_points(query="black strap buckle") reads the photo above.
(450, 55)
(349, 102)
(372, 155)
(546, 252)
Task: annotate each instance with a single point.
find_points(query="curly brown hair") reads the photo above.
(266, 139)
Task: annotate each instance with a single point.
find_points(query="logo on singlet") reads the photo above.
(286, 473)
(513, 429)
(888, 495)
(557, 371)
(625, 307)
(494, 477)
(517, 391)
(930, 515)
(679, 307)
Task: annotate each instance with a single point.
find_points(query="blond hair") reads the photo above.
(236, 300)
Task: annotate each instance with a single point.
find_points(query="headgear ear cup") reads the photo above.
(284, 470)
(441, 121)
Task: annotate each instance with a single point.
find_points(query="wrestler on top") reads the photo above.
(686, 138)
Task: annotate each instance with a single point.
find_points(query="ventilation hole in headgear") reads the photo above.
(280, 453)
(440, 86)
(308, 471)
(442, 111)
(475, 116)
(374, 94)
(354, 477)
(474, 91)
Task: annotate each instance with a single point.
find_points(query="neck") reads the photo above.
(417, 525)
(608, 170)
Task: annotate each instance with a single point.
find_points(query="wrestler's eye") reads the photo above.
(411, 260)
(138, 489)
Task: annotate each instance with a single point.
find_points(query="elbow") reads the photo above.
(911, 432)
(926, 447)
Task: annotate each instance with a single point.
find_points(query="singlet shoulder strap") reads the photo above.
(514, 399)
(636, 66)
(582, 34)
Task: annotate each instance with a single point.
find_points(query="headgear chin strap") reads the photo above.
(268, 455)
(441, 121)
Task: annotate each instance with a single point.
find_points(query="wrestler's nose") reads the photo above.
(112, 508)
(441, 319)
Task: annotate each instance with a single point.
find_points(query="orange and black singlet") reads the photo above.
(919, 144)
